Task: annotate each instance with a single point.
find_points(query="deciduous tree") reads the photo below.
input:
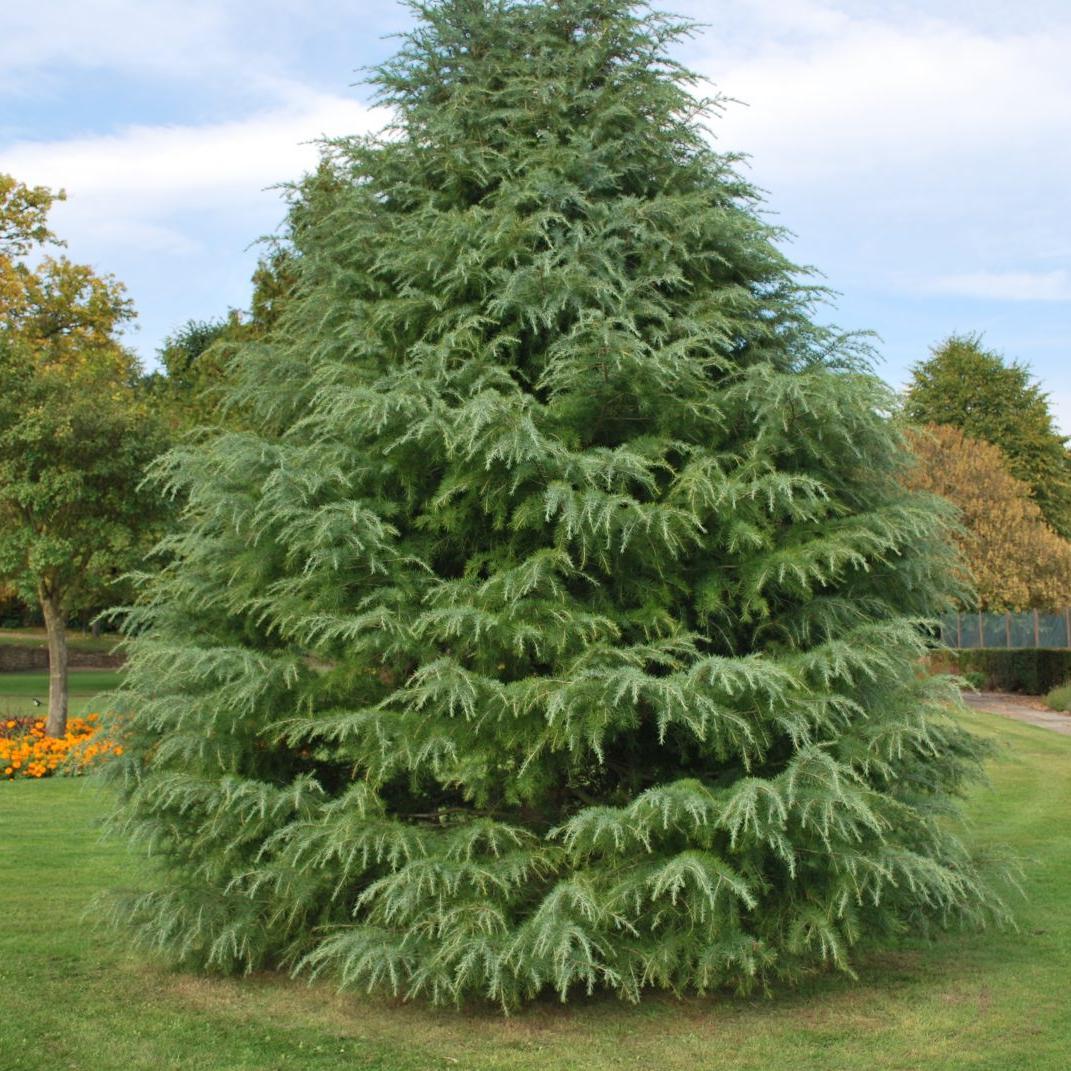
(75, 436)
(976, 390)
(1014, 560)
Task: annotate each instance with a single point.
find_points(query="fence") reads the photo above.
(1030, 629)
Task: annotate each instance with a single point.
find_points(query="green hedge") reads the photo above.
(1033, 670)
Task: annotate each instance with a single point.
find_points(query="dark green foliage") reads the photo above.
(1031, 670)
(196, 357)
(182, 350)
(554, 623)
(193, 359)
(972, 388)
(75, 444)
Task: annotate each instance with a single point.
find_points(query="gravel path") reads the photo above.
(1020, 708)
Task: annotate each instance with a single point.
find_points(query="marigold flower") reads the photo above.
(27, 751)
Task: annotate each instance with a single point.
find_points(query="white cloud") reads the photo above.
(1007, 286)
(856, 96)
(173, 209)
(126, 187)
(919, 151)
(158, 36)
(232, 48)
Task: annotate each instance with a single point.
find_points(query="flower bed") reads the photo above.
(26, 751)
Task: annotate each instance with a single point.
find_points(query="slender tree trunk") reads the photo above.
(56, 627)
(96, 628)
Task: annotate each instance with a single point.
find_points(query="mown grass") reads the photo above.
(36, 637)
(72, 998)
(19, 690)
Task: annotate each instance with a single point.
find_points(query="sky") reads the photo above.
(919, 151)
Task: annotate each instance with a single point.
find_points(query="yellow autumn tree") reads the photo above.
(64, 315)
(1015, 560)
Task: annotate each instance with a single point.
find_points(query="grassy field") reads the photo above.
(72, 999)
(19, 690)
(35, 637)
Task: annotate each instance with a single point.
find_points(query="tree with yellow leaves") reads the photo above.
(75, 433)
(1016, 561)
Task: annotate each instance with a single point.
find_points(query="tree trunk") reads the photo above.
(96, 628)
(56, 626)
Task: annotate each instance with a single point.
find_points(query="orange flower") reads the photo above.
(37, 755)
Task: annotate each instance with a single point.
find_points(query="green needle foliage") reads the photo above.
(553, 623)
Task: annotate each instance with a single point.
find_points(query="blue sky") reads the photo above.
(919, 151)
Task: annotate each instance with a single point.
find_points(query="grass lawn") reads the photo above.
(19, 690)
(35, 637)
(72, 999)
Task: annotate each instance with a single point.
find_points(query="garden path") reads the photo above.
(1020, 708)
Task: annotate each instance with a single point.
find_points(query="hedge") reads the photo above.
(1033, 670)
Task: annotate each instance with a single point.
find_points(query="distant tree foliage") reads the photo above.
(273, 286)
(75, 434)
(1015, 560)
(185, 390)
(195, 358)
(969, 387)
(23, 219)
(552, 623)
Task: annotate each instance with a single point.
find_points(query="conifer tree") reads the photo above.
(553, 621)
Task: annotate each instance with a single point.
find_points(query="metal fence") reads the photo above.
(1030, 629)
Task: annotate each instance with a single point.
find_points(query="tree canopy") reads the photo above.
(75, 436)
(966, 386)
(1014, 560)
(195, 358)
(553, 621)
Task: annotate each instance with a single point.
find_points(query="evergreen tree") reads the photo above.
(966, 386)
(554, 623)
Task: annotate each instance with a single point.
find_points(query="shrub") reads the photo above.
(1060, 698)
(26, 750)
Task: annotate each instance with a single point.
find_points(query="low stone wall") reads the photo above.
(14, 657)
